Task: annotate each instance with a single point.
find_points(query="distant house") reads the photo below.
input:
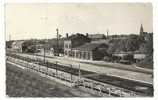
(148, 37)
(17, 46)
(138, 57)
(131, 56)
(90, 51)
(121, 54)
(124, 55)
(74, 41)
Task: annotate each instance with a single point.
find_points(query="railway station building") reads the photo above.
(90, 51)
(84, 47)
(74, 41)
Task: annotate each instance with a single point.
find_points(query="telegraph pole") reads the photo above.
(107, 33)
(57, 41)
(44, 18)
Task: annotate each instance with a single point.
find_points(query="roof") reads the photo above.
(100, 41)
(139, 56)
(75, 36)
(17, 43)
(96, 36)
(89, 46)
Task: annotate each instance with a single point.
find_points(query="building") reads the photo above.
(124, 55)
(141, 30)
(58, 48)
(145, 35)
(90, 51)
(95, 37)
(106, 41)
(17, 46)
(73, 41)
(139, 56)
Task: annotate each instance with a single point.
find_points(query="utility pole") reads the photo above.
(57, 42)
(44, 18)
(44, 51)
(107, 33)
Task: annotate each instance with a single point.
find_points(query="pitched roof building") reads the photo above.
(96, 36)
(73, 41)
(90, 51)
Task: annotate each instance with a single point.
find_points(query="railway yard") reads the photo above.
(92, 83)
(83, 49)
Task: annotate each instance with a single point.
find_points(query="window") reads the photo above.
(84, 55)
(80, 55)
(88, 54)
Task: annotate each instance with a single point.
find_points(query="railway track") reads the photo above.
(112, 80)
(46, 74)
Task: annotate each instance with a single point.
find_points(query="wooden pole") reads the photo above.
(57, 42)
(107, 33)
(109, 91)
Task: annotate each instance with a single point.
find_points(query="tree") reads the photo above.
(29, 46)
(149, 44)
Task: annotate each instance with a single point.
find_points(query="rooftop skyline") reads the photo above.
(26, 21)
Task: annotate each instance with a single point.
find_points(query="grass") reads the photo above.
(22, 83)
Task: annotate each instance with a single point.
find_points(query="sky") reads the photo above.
(39, 21)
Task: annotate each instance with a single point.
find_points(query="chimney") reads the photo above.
(67, 35)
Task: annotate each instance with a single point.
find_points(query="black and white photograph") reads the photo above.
(79, 50)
